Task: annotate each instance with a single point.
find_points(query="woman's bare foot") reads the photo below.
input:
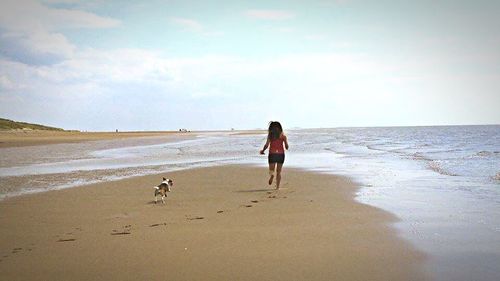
(271, 179)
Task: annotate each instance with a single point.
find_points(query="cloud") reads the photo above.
(26, 16)
(114, 66)
(99, 89)
(188, 24)
(115, 85)
(6, 83)
(31, 32)
(270, 14)
(205, 77)
(192, 25)
(38, 47)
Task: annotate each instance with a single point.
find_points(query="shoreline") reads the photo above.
(19, 138)
(23, 138)
(219, 223)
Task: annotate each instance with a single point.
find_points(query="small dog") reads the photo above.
(162, 189)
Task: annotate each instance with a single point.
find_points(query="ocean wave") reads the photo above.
(433, 165)
(372, 147)
(419, 156)
(484, 153)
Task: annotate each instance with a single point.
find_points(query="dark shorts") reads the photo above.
(276, 158)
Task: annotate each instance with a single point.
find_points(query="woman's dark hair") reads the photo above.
(275, 130)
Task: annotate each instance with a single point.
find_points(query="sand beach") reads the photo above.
(21, 138)
(219, 223)
(354, 206)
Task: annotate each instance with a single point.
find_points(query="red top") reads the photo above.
(276, 146)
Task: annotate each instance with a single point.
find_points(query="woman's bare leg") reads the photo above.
(271, 172)
(278, 174)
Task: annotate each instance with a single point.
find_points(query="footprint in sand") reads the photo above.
(255, 201)
(66, 237)
(120, 233)
(66, 240)
(158, 224)
(125, 231)
(220, 212)
(16, 250)
(195, 218)
(248, 206)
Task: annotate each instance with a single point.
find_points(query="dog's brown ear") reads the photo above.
(164, 179)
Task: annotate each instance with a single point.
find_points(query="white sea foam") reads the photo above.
(436, 167)
(466, 151)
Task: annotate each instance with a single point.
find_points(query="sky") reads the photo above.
(206, 65)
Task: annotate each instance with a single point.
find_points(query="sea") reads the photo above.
(441, 182)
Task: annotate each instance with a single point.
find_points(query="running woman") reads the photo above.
(275, 140)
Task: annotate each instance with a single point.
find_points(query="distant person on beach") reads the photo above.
(275, 140)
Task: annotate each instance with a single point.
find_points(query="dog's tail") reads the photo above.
(156, 187)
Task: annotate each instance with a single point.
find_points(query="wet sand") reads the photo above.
(20, 138)
(219, 223)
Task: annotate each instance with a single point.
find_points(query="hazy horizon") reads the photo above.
(262, 128)
(217, 65)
